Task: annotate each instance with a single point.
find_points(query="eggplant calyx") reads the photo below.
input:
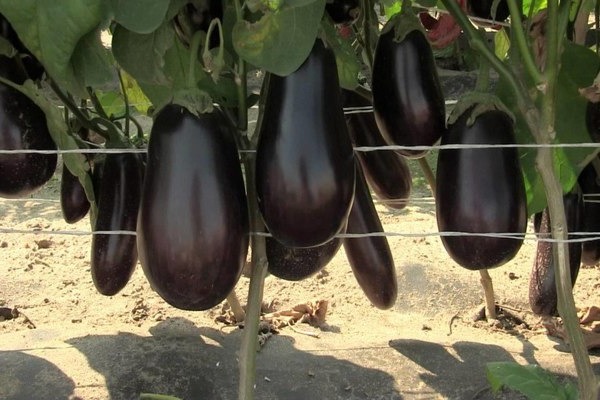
(477, 103)
(403, 23)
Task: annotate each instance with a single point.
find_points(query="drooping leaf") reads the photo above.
(531, 380)
(501, 44)
(6, 48)
(143, 55)
(53, 30)
(140, 16)
(280, 40)
(579, 67)
(92, 62)
(135, 95)
(112, 102)
(346, 59)
(538, 5)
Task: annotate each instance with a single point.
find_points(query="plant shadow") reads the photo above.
(190, 362)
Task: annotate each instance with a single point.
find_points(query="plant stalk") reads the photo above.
(428, 173)
(488, 291)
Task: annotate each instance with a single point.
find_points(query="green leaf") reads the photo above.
(531, 380)
(539, 5)
(579, 67)
(281, 40)
(92, 62)
(501, 44)
(112, 102)
(76, 162)
(392, 8)
(143, 55)
(53, 32)
(135, 95)
(140, 16)
(346, 59)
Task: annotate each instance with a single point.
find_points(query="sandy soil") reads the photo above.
(47, 278)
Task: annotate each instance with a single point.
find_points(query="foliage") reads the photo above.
(530, 380)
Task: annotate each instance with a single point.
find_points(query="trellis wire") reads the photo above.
(581, 236)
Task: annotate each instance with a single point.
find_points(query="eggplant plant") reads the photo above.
(187, 64)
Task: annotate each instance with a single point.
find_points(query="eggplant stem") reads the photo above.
(236, 307)
(488, 291)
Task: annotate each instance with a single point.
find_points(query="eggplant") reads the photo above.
(592, 120)
(481, 190)
(295, 264)
(483, 9)
(370, 257)
(387, 172)
(304, 157)
(74, 203)
(114, 256)
(193, 226)
(408, 102)
(589, 182)
(343, 11)
(23, 127)
(542, 282)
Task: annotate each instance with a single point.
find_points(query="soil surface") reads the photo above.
(69, 342)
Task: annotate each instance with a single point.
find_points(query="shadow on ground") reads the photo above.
(457, 371)
(27, 377)
(189, 362)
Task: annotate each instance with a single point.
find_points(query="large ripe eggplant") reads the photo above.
(193, 224)
(481, 190)
(542, 282)
(23, 127)
(74, 203)
(387, 172)
(305, 161)
(407, 96)
(370, 257)
(589, 182)
(114, 256)
(295, 264)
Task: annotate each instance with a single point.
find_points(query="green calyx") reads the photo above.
(477, 103)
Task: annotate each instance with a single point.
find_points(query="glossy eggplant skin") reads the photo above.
(407, 97)
(114, 256)
(542, 282)
(370, 257)
(480, 191)
(74, 203)
(387, 172)
(23, 127)
(343, 11)
(193, 224)
(304, 160)
(483, 9)
(589, 182)
(295, 264)
(592, 120)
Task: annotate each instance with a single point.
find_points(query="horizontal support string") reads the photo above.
(358, 148)
(582, 236)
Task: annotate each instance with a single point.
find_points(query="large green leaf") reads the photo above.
(143, 55)
(140, 16)
(531, 380)
(579, 67)
(53, 30)
(92, 62)
(280, 40)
